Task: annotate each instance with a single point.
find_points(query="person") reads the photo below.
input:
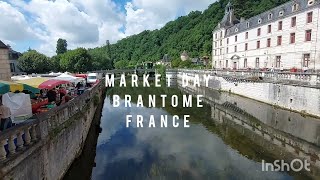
(52, 95)
(5, 116)
(78, 86)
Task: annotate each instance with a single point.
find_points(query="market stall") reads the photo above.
(34, 82)
(6, 86)
(19, 104)
(52, 83)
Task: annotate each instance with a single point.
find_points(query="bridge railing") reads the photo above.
(19, 138)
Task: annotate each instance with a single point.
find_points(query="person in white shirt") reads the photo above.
(5, 116)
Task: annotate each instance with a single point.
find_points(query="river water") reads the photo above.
(224, 140)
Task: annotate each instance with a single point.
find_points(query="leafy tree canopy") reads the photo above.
(61, 46)
(34, 62)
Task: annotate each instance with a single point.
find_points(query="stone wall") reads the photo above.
(5, 73)
(302, 99)
(47, 145)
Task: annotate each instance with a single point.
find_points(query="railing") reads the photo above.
(311, 78)
(21, 137)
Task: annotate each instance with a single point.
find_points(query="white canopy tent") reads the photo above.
(70, 78)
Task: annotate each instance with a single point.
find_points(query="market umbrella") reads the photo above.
(52, 83)
(34, 82)
(6, 86)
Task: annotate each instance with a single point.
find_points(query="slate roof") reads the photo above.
(3, 46)
(278, 12)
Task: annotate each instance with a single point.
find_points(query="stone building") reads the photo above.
(284, 37)
(5, 73)
(13, 61)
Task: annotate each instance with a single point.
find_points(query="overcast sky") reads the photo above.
(84, 23)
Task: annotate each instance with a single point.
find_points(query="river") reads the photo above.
(224, 140)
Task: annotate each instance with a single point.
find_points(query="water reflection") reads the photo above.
(167, 153)
(227, 139)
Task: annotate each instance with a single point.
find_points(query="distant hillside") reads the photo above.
(192, 33)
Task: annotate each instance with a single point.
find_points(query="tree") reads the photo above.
(34, 62)
(121, 64)
(61, 46)
(55, 63)
(175, 63)
(78, 60)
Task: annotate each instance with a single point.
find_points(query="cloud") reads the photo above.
(85, 23)
(14, 27)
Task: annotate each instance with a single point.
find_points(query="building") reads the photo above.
(4, 62)
(165, 61)
(13, 61)
(284, 37)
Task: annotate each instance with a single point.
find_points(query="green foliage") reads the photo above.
(34, 62)
(78, 60)
(101, 58)
(61, 46)
(192, 33)
(161, 69)
(121, 64)
(175, 63)
(55, 62)
(185, 64)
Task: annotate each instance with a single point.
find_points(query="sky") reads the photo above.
(38, 24)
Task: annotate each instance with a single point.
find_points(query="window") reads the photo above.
(280, 13)
(269, 28)
(309, 17)
(245, 63)
(247, 35)
(269, 42)
(215, 52)
(293, 21)
(258, 31)
(248, 24)
(310, 2)
(235, 38)
(246, 46)
(227, 50)
(279, 40)
(292, 38)
(216, 36)
(258, 44)
(215, 44)
(220, 51)
(295, 7)
(227, 64)
(308, 35)
(257, 63)
(280, 25)
(306, 60)
(259, 21)
(221, 34)
(220, 42)
(278, 61)
(270, 16)
(12, 67)
(236, 30)
(235, 48)
(227, 40)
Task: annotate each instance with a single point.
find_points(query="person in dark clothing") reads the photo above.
(52, 95)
